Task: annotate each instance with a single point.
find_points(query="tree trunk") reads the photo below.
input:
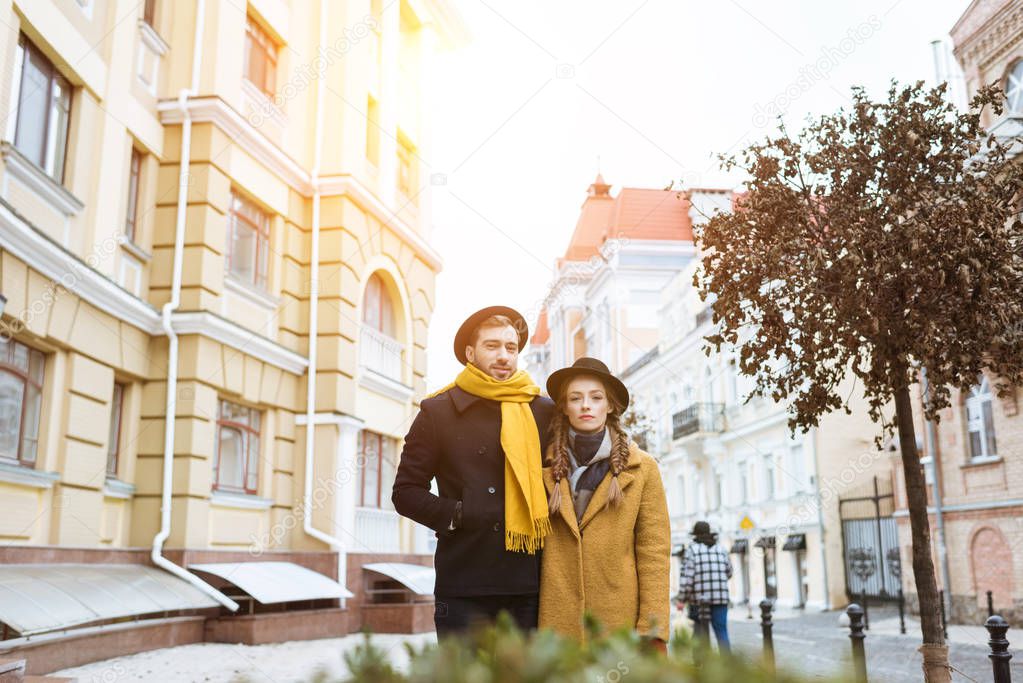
(934, 650)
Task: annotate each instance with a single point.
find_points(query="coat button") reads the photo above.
(482, 450)
(492, 490)
(497, 526)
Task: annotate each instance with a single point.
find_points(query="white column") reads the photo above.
(390, 43)
(427, 45)
(347, 477)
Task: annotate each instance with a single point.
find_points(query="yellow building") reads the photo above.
(190, 191)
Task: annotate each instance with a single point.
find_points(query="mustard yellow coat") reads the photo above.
(615, 563)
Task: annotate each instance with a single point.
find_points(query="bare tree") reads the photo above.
(881, 240)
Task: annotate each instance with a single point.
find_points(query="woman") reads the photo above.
(608, 551)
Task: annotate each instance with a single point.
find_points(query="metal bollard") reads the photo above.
(1000, 656)
(866, 613)
(944, 622)
(902, 613)
(990, 605)
(856, 635)
(766, 625)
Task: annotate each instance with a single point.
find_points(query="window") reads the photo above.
(680, 487)
(236, 463)
(733, 383)
(131, 214)
(149, 12)
(797, 468)
(980, 420)
(260, 57)
(376, 470)
(719, 490)
(371, 467)
(114, 440)
(769, 477)
(406, 169)
(1014, 89)
(373, 131)
(248, 242)
(378, 310)
(744, 482)
(21, 386)
(43, 99)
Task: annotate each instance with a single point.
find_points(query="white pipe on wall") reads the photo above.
(168, 309)
(314, 301)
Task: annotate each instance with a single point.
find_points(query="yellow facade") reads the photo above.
(88, 295)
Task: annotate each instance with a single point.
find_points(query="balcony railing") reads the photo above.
(376, 531)
(380, 353)
(698, 417)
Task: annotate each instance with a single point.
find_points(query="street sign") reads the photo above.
(746, 524)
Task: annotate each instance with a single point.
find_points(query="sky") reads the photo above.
(651, 90)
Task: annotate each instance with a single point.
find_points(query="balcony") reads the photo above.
(381, 359)
(380, 353)
(706, 418)
(376, 531)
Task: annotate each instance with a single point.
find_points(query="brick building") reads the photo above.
(977, 454)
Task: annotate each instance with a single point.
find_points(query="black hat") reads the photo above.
(588, 366)
(464, 333)
(700, 529)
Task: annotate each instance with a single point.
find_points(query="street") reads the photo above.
(815, 645)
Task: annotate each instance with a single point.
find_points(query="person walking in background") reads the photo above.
(706, 569)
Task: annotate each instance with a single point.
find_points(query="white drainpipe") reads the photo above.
(168, 308)
(314, 300)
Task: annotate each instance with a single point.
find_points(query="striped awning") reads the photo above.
(795, 542)
(739, 546)
(765, 542)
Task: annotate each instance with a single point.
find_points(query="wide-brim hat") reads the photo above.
(473, 321)
(700, 529)
(588, 366)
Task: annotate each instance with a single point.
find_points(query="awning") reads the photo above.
(273, 582)
(739, 546)
(765, 542)
(795, 542)
(417, 578)
(36, 598)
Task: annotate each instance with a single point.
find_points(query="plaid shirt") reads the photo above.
(705, 574)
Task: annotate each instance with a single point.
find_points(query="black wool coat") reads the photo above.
(456, 438)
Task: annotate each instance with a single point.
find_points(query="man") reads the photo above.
(481, 438)
(706, 569)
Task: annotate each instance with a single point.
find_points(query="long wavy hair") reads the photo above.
(559, 463)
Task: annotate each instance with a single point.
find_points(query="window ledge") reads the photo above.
(251, 293)
(55, 194)
(978, 462)
(27, 476)
(262, 105)
(381, 384)
(240, 501)
(152, 39)
(135, 250)
(115, 488)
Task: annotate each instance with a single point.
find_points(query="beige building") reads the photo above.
(190, 192)
(974, 456)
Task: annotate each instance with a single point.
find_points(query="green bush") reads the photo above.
(503, 654)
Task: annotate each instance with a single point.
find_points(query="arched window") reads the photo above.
(980, 426)
(1014, 88)
(377, 309)
(380, 351)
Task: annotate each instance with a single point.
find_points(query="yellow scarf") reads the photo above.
(526, 519)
